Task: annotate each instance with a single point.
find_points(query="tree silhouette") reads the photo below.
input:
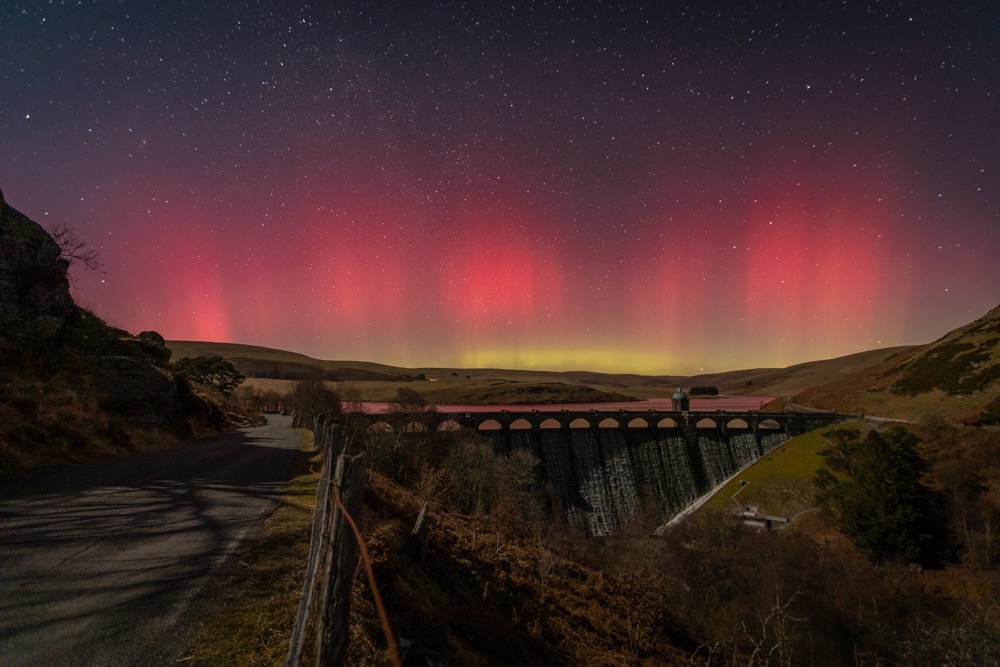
(312, 398)
(882, 505)
(212, 371)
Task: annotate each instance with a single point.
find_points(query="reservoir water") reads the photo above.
(727, 403)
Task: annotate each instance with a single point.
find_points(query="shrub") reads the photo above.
(212, 371)
(312, 398)
(947, 368)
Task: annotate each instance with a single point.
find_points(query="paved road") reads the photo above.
(103, 564)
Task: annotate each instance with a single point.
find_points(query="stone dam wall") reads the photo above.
(606, 466)
(603, 476)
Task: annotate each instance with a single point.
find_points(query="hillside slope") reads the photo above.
(281, 363)
(272, 369)
(793, 379)
(956, 376)
(263, 366)
(253, 360)
(251, 357)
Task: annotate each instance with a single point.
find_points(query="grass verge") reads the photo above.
(780, 482)
(258, 595)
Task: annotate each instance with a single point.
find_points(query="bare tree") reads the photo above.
(778, 633)
(74, 250)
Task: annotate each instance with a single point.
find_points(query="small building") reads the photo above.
(680, 400)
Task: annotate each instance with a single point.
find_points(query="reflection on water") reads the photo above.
(728, 403)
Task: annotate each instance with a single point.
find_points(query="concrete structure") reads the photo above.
(603, 466)
(790, 423)
(680, 400)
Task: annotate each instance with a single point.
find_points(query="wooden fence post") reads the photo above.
(342, 558)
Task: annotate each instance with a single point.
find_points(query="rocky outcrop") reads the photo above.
(43, 331)
(68, 381)
(35, 303)
(132, 386)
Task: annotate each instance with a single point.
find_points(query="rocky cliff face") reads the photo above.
(35, 304)
(69, 383)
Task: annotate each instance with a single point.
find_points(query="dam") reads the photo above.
(604, 466)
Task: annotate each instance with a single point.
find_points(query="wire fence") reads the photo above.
(324, 608)
(326, 593)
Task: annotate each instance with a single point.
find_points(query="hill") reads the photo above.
(277, 370)
(268, 368)
(794, 379)
(956, 376)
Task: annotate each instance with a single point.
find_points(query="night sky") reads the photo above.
(555, 185)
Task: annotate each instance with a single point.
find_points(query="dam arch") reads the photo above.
(490, 425)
